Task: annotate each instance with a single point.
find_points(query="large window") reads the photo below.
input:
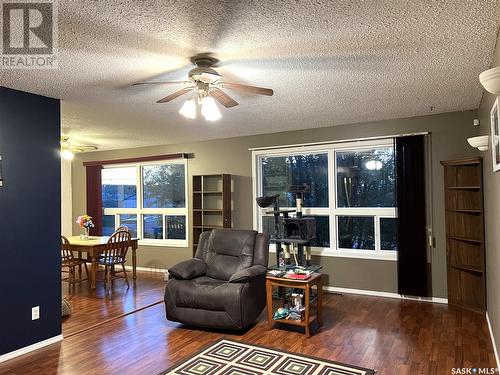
(149, 199)
(352, 194)
(365, 178)
(279, 172)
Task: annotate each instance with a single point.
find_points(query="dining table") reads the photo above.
(93, 247)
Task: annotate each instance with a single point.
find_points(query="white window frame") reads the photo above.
(332, 210)
(140, 211)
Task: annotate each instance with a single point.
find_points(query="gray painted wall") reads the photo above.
(449, 134)
(491, 182)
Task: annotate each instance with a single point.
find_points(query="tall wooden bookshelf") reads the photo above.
(211, 204)
(465, 252)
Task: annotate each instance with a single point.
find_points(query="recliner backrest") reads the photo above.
(261, 251)
(227, 251)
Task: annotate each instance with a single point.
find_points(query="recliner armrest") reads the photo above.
(248, 273)
(188, 269)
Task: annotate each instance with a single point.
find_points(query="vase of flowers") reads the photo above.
(85, 222)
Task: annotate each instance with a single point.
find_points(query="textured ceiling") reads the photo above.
(329, 63)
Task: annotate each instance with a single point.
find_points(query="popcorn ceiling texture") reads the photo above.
(329, 62)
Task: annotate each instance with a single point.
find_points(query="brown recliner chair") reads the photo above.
(223, 286)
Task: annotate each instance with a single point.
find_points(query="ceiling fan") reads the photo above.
(206, 84)
(69, 148)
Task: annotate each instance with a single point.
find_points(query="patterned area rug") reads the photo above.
(227, 357)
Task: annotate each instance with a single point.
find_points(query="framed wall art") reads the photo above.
(495, 135)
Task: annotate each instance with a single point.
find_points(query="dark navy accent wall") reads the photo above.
(30, 219)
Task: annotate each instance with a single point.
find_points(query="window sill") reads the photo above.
(353, 254)
(164, 243)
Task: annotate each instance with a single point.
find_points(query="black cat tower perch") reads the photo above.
(293, 232)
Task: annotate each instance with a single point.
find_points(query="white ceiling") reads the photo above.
(329, 63)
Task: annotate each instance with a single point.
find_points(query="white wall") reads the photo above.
(491, 214)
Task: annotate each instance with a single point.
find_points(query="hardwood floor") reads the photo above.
(390, 335)
(91, 308)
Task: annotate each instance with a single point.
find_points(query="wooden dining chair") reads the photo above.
(69, 264)
(114, 255)
(176, 229)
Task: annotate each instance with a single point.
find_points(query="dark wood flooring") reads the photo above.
(389, 335)
(91, 309)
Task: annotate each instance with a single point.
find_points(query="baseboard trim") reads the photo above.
(443, 301)
(376, 293)
(492, 339)
(30, 348)
(334, 289)
(146, 269)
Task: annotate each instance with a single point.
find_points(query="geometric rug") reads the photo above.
(227, 357)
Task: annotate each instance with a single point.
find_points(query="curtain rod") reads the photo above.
(136, 160)
(338, 141)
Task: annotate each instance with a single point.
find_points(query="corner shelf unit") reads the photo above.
(211, 204)
(465, 253)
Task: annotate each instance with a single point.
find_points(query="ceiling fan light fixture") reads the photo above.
(209, 109)
(69, 149)
(67, 154)
(374, 165)
(188, 109)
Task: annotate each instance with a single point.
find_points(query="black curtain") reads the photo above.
(411, 208)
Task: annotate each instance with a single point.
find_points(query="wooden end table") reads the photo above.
(305, 285)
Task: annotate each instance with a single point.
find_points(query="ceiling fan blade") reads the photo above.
(175, 95)
(247, 88)
(82, 148)
(161, 83)
(223, 98)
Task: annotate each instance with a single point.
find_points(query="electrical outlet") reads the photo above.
(35, 313)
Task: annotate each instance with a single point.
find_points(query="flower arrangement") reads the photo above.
(85, 222)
